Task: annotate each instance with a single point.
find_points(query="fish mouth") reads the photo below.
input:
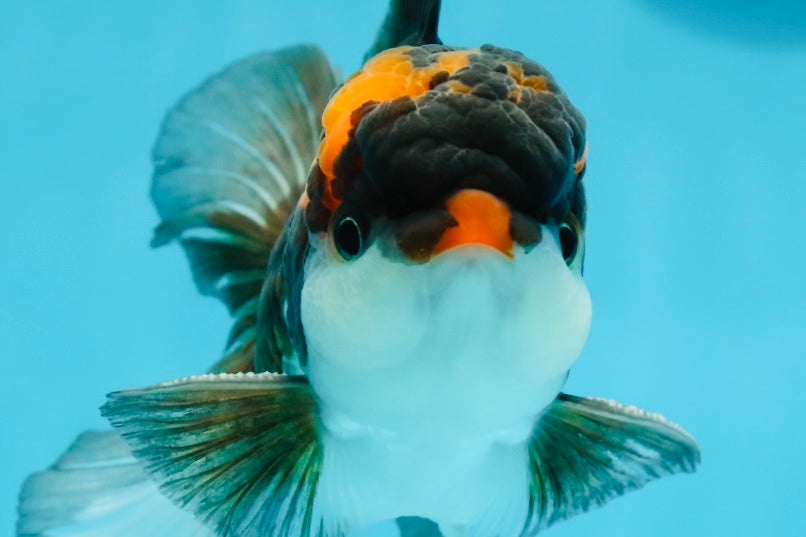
(472, 254)
(470, 271)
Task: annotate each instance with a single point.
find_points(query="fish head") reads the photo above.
(446, 226)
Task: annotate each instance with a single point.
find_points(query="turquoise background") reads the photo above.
(695, 257)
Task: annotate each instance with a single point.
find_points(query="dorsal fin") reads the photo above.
(408, 22)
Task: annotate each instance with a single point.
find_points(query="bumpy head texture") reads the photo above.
(419, 123)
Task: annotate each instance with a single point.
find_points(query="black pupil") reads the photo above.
(568, 242)
(348, 238)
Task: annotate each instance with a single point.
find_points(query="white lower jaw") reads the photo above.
(469, 344)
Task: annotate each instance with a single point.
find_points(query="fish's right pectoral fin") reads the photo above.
(586, 451)
(239, 451)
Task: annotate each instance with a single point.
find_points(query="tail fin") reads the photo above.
(98, 489)
(408, 22)
(229, 165)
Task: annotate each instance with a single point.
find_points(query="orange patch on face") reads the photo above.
(387, 76)
(482, 219)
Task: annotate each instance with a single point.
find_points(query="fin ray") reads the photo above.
(240, 451)
(586, 451)
(95, 489)
(278, 180)
(229, 166)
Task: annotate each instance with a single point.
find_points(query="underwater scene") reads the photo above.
(406, 268)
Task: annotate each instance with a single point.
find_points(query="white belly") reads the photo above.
(452, 451)
(480, 485)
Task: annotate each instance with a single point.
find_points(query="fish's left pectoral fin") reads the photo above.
(240, 451)
(586, 451)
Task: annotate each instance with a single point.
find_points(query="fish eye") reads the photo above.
(348, 237)
(569, 241)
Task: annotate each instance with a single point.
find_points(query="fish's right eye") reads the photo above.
(348, 237)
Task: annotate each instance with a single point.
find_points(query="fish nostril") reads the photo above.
(525, 230)
(418, 234)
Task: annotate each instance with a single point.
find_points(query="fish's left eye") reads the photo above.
(568, 242)
(348, 237)
(570, 236)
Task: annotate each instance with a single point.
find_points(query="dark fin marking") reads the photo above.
(98, 488)
(413, 526)
(408, 22)
(229, 166)
(585, 452)
(239, 451)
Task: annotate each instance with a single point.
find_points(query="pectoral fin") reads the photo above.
(587, 451)
(240, 451)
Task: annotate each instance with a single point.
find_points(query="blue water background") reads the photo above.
(696, 185)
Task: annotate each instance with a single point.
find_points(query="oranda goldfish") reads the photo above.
(402, 255)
